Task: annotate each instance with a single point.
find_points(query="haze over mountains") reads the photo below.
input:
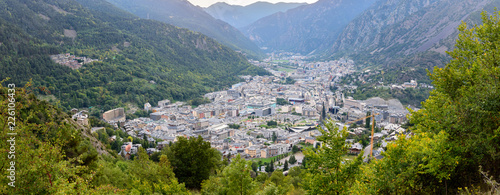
(241, 16)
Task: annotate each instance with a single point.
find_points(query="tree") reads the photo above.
(254, 166)
(237, 176)
(152, 177)
(234, 179)
(234, 126)
(272, 123)
(285, 166)
(421, 164)
(292, 160)
(281, 101)
(328, 173)
(367, 120)
(456, 132)
(274, 138)
(323, 112)
(466, 101)
(270, 167)
(193, 160)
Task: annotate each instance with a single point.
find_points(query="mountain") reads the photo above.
(406, 27)
(184, 14)
(407, 37)
(241, 16)
(139, 60)
(306, 28)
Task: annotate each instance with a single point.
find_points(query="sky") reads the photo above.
(206, 3)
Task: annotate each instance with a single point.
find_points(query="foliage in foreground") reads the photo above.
(453, 147)
(458, 129)
(53, 157)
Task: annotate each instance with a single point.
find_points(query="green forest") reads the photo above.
(140, 60)
(453, 147)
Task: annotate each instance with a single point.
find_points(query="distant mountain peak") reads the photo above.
(241, 16)
(307, 28)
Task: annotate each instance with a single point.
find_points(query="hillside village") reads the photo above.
(71, 61)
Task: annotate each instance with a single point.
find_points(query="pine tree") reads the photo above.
(323, 113)
(367, 120)
(292, 160)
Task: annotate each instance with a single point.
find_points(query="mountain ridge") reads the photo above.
(389, 24)
(306, 28)
(139, 60)
(241, 16)
(183, 14)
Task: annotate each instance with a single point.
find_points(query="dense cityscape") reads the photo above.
(270, 116)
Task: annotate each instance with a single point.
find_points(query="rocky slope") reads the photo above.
(306, 28)
(399, 27)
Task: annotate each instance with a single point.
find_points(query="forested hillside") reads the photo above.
(139, 60)
(184, 14)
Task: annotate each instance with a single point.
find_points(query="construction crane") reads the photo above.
(373, 125)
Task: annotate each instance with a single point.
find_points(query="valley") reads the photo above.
(326, 97)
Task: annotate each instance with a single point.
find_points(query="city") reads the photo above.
(264, 116)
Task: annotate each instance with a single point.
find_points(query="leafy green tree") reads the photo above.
(272, 123)
(193, 160)
(254, 166)
(152, 177)
(281, 101)
(285, 166)
(465, 102)
(234, 179)
(421, 165)
(456, 132)
(234, 126)
(328, 172)
(261, 178)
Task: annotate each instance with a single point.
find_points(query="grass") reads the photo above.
(304, 146)
(268, 160)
